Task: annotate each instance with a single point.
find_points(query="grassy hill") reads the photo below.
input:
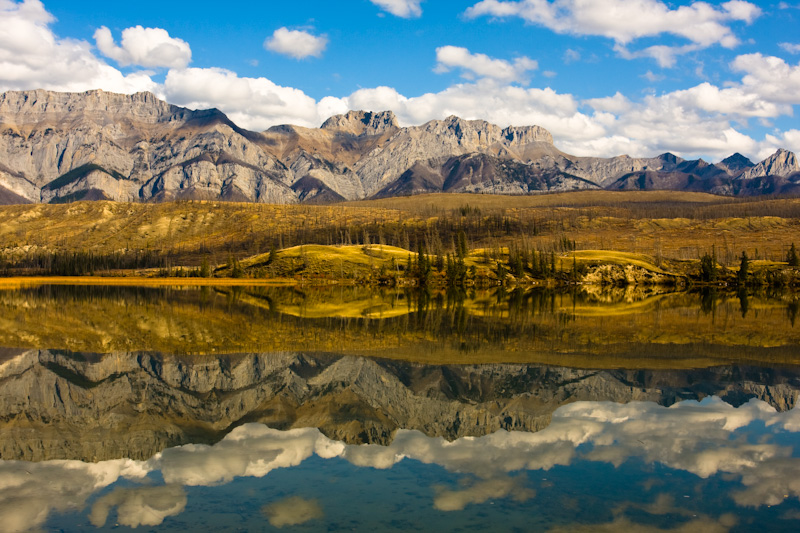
(667, 228)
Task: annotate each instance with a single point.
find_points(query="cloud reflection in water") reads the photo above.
(703, 438)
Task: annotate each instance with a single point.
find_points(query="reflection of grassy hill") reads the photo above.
(617, 258)
(674, 330)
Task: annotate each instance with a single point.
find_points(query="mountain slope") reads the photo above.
(63, 147)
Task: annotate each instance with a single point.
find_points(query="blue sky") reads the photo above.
(606, 77)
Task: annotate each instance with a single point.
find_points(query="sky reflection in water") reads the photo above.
(694, 464)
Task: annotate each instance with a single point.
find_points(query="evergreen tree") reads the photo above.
(462, 245)
(205, 268)
(744, 266)
(708, 268)
(792, 258)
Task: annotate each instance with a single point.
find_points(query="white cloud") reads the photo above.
(32, 56)
(296, 43)
(624, 21)
(570, 56)
(792, 48)
(145, 47)
(652, 77)
(400, 8)
(481, 65)
(485, 99)
(770, 78)
(665, 56)
(705, 120)
(253, 103)
(139, 506)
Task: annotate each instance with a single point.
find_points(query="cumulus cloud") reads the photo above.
(298, 44)
(481, 65)
(32, 56)
(400, 8)
(253, 103)
(145, 47)
(623, 21)
(770, 78)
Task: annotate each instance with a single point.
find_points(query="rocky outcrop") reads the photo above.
(61, 147)
(60, 405)
(362, 123)
(617, 275)
(58, 146)
(781, 163)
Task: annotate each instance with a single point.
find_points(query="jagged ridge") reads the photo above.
(57, 147)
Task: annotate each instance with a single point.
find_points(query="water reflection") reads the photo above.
(588, 327)
(749, 451)
(64, 405)
(250, 408)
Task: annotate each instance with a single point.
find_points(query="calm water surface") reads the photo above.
(256, 409)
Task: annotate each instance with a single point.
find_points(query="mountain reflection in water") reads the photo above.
(678, 453)
(60, 405)
(252, 408)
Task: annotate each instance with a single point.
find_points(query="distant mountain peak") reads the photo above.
(133, 147)
(362, 122)
(736, 162)
(781, 163)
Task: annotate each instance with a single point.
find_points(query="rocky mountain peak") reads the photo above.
(669, 158)
(736, 162)
(522, 135)
(37, 106)
(781, 163)
(482, 133)
(362, 122)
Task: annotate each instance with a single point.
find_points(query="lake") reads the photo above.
(341, 408)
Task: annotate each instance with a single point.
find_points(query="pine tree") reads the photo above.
(205, 268)
(708, 268)
(744, 266)
(792, 258)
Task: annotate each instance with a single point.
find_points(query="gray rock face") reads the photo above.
(781, 163)
(58, 147)
(56, 405)
(360, 123)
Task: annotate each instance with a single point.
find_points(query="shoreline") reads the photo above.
(140, 281)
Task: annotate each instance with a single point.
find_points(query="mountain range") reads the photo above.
(62, 147)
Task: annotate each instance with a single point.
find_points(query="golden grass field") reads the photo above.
(659, 231)
(677, 225)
